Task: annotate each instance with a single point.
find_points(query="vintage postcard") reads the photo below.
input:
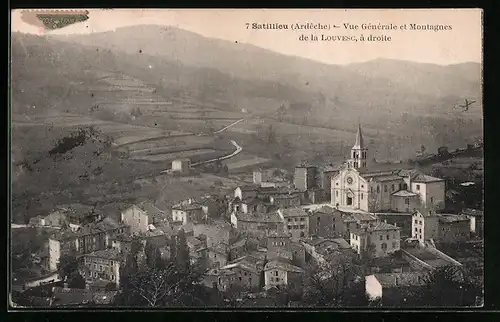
(230, 158)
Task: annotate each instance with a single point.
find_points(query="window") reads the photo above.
(407, 201)
(276, 273)
(418, 187)
(381, 237)
(383, 246)
(392, 187)
(239, 278)
(361, 196)
(371, 189)
(385, 188)
(420, 222)
(289, 227)
(289, 219)
(416, 229)
(420, 230)
(295, 226)
(393, 244)
(302, 219)
(378, 189)
(336, 193)
(432, 199)
(95, 266)
(416, 221)
(318, 219)
(336, 183)
(302, 226)
(246, 274)
(388, 237)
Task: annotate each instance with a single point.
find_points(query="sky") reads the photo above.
(463, 43)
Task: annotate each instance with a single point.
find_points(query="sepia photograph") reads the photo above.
(246, 158)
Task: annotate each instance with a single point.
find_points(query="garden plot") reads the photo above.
(173, 156)
(183, 141)
(244, 160)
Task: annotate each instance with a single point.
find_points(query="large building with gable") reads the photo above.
(358, 185)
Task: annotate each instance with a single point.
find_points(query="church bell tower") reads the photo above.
(359, 153)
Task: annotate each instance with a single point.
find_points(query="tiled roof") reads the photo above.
(382, 226)
(285, 196)
(401, 279)
(63, 235)
(342, 243)
(473, 212)
(249, 187)
(426, 179)
(391, 177)
(358, 217)
(110, 253)
(272, 217)
(284, 265)
(404, 193)
(104, 225)
(279, 234)
(183, 159)
(243, 264)
(187, 207)
(329, 168)
(70, 296)
(452, 218)
(294, 212)
(150, 208)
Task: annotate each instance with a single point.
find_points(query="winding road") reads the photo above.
(238, 150)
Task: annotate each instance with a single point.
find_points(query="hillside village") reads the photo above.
(350, 234)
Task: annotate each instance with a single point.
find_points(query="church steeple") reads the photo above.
(359, 139)
(358, 152)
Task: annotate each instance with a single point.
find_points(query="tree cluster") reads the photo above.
(162, 282)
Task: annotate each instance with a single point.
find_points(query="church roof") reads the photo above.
(359, 139)
(425, 178)
(404, 193)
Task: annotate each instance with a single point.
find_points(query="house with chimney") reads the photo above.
(390, 288)
(446, 228)
(379, 240)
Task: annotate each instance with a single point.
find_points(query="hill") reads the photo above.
(365, 89)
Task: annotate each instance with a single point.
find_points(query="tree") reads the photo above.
(173, 249)
(182, 253)
(449, 286)
(77, 281)
(336, 282)
(153, 256)
(271, 135)
(67, 266)
(164, 287)
(110, 287)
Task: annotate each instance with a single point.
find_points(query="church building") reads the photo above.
(358, 185)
